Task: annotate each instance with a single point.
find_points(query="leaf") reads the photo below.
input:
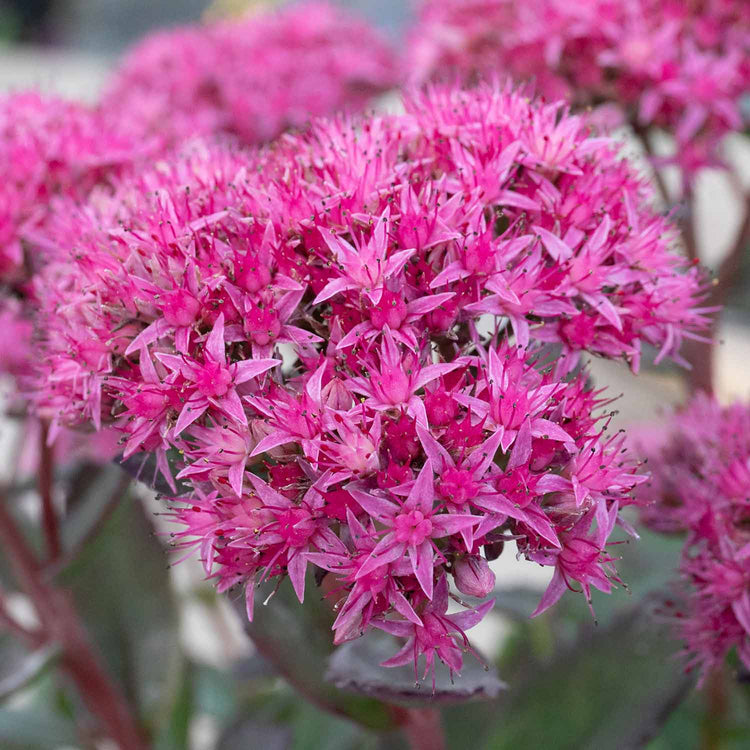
(355, 667)
(94, 492)
(215, 691)
(174, 732)
(19, 668)
(250, 733)
(35, 729)
(297, 640)
(143, 468)
(614, 689)
(121, 590)
(310, 725)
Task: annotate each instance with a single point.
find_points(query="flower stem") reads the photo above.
(49, 516)
(700, 354)
(61, 626)
(716, 711)
(642, 134)
(423, 728)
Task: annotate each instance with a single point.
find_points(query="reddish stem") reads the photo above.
(701, 354)
(45, 483)
(716, 710)
(689, 239)
(642, 134)
(423, 727)
(60, 625)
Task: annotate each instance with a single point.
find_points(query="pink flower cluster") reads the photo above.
(700, 484)
(360, 348)
(252, 78)
(679, 65)
(49, 147)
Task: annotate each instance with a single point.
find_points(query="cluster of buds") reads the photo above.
(251, 77)
(681, 66)
(700, 487)
(361, 347)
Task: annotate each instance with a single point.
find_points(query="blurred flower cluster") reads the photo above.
(360, 348)
(681, 66)
(55, 152)
(251, 77)
(700, 485)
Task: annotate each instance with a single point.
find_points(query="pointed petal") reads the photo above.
(446, 524)
(379, 507)
(422, 493)
(521, 447)
(555, 590)
(296, 568)
(192, 410)
(405, 655)
(422, 563)
(386, 551)
(251, 368)
(553, 244)
(215, 341)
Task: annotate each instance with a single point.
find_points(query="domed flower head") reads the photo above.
(252, 77)
(367, 315)
(700, 485)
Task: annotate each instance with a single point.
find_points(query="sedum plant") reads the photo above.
(363, 345)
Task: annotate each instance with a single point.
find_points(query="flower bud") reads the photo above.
(473, 576)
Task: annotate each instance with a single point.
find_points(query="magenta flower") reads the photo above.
(700, 483)
(439, 634)
(410, 528)
(341, 341)
(204, 79)
(582, 558)
(213, 381)
(679, 67)
(394, 380)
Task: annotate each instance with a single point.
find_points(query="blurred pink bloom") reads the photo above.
(700, 485)
(253, 77)
(679, 66)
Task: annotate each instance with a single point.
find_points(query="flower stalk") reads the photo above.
(61, 626)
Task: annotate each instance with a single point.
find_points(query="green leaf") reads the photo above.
(174, 733)
(19, 667)
(251, 733)
(310, 725)
(35, 729)
(94, 492)
(297, 640)
(121, 589)
(616, 688)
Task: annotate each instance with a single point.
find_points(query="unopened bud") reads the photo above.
(473, 576)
